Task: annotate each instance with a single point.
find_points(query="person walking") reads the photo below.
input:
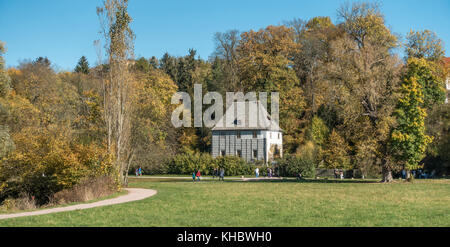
(137, 171)
(222, 174)
(198, 175)
(140, 171)
(257, 172)
(193, 176)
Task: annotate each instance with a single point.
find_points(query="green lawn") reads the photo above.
(278, 203)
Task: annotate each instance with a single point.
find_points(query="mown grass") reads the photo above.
(276, 203)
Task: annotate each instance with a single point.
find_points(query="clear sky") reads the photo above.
(64, 30)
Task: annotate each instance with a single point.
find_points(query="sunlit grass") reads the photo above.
(277, 203)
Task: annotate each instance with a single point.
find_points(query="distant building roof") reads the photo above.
(446, 61)
(248, 115)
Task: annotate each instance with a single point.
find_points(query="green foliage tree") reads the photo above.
(408, 139)
(318, 131)
(82, 66)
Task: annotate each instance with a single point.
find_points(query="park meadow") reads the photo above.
(361, 134)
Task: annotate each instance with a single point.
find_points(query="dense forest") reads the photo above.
(347, 101)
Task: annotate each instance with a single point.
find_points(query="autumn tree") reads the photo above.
(424, 44)
(363, 76)
(314, 38)
(335, 153)
(226, 54)
(6, 143)
(152, 136)
(115, 23)
(265, 65)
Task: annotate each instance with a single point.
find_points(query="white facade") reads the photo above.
(447, 86)
(234, 134)
(274, 139)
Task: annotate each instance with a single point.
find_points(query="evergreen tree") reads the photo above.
(82, 66)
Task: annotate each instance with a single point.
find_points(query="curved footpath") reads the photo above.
(134, 194)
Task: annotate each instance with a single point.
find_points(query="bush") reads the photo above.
(291, 165)
(23, 202)
(44, 165)
(234, 165)
(187, 163)
(86, 190)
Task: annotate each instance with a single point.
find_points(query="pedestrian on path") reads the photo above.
(198, 175)
(193, 176)
(257, 172)
(222, 174)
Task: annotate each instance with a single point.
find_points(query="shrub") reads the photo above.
(234, 165)
(44, 165)
(23, 202)
(87, 189)
(291, 165)
(186, 163)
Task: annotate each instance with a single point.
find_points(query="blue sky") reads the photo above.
(64, 30)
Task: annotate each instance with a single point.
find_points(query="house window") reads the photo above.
(254, 134)
(255, 154)
(239, 153)
(222, 135)
(222, 152)
(238, 134)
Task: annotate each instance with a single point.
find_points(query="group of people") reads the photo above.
(418, 174)
(139, 171)
(220, 173)
(338, 174)
(269, 172)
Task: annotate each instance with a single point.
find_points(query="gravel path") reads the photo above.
(210, 178)
(134, 194)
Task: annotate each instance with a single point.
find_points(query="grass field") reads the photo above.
(277, 203)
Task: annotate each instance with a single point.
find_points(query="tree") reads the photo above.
(5, 81)
(363, 76)
(82, 66)
(6, 143)
(424, 44)
(226, 54)
(314, 38)
(119, 38)
(169, 66)
(265, 64)
(408, 139)
(335, 153)
(152, 135)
